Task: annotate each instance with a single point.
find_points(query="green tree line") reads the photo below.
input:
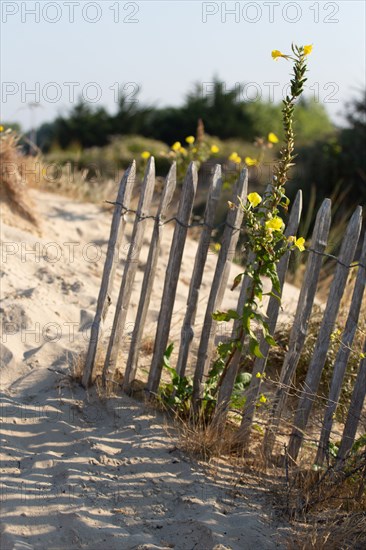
(224, 113)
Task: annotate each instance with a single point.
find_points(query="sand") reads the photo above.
(78, 472)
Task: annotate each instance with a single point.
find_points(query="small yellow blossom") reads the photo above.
(272, 138)
(300, 243)
(176, 146)
(217, 247)
(1, 128)
(194, 150)
(276, 54)
(145, 155)
(234, 157)
(335, 335)
(214, 149)
(275, 224)
(183, 151)
(258, 375)
(250, 162)
(254, 199)
(308, 49)
(190, 139)
(263, 399)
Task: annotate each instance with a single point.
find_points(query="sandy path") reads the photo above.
(77, 473)
(82, 475)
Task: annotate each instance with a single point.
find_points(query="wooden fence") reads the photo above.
(206, 350)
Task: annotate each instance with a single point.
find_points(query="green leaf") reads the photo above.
(270, 340)
(273, 295)
(225, 315)
(243, 380)
(167, 354)
(254, 348)
(237, 281)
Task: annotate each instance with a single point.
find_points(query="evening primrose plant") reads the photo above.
(266, 239)
(265, 226)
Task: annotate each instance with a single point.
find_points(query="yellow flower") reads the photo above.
(234, 157)
(272, 138)
(145, 155)
(190, 139)
(263, 399)
(300, 243)
(217, 247)
(308, 49)
(214, 149)
(276, 54)
(254, 199)
(275, 224)
(250, 162)
(176, 146)
(1, 128)
(258, 375)
(194, 150)
(183, 151)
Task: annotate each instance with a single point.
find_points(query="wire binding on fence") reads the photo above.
(218, 226)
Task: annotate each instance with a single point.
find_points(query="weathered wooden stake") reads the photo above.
(104, 299)
(343, 354)
(187, 332)
(149, 276)
(129, 272)
(300, 325)
(354, 412)
(171, 278)
(316, 366)
(227, 251)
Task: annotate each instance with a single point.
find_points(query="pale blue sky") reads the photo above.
(170, 47)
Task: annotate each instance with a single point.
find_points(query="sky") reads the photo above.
(53, 52)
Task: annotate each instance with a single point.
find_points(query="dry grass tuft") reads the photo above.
(14, 182)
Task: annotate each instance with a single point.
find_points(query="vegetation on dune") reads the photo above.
(14, 177)
(226, 114)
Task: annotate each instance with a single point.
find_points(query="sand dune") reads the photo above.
(76, 472)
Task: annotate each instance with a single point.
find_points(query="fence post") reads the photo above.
(105, 292)
(344, 351)
(149, 276)
(129, 272)
(354, 412)
(171, 278)
(313, 376)
(227, 251)
(187, 332)
(300, 325)
(272, 316)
